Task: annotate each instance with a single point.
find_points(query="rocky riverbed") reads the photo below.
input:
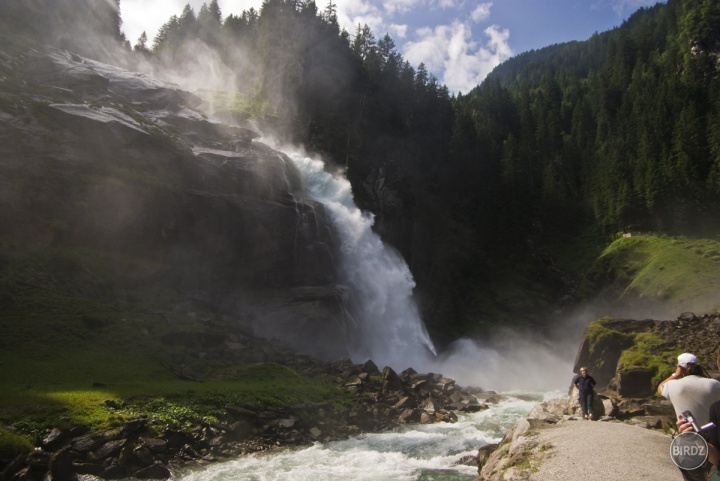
(383, 400)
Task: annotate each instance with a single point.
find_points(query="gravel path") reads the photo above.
(605, 451)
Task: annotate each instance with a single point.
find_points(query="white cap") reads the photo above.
(686, 358)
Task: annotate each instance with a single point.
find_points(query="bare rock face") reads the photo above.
(101, 159)
(607, 340)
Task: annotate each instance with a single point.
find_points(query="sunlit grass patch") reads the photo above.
(30, 413)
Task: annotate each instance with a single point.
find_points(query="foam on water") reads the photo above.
(415, 452)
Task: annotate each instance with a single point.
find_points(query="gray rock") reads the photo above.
(154, 471)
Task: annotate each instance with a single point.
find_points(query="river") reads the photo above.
(428, 452)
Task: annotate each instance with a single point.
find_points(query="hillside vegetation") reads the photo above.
(675, 273)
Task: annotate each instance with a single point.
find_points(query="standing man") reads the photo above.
(584, 383)
(690, 388)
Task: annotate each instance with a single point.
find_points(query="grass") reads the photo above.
(165, 400)
(80, 350)
(680, 272)
(647, 353)
(639, 350)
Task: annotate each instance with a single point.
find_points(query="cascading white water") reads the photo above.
(390, 330)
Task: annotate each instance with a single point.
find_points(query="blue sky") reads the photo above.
(460, 41)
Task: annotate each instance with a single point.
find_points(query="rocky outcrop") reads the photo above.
(631, 357)
(103, 160)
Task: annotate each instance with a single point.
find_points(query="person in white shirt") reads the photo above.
(690, 388)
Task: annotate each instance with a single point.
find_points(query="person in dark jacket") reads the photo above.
(585, 383)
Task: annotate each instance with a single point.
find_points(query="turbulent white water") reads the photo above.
(389, 328)
(416, 452)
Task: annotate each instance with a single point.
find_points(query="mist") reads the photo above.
(509, 363)
(389, 329)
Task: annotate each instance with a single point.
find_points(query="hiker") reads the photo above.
(690, 388)
(584, 383)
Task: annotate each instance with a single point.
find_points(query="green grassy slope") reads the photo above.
(678, 273)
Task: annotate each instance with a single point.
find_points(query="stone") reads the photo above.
(155, 445)
(391, 381)
(110, 448)
(54, 438)
(428, 405)
(155, 471)
(426, 418)
(115, 472)
(635, 383)
(370, 367)
(286, 423)
(405, 402)
(143, 456)
(60, 466)
(409, 415)
(88, 442)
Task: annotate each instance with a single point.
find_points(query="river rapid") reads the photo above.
(430, 452)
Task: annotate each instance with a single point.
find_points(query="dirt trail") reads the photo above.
(605, 451)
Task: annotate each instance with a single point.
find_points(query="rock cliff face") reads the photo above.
(631, 357)
(115, 164)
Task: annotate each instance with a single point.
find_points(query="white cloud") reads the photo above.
(448, 4)
(398, 31)
(481, 12)
(632, 5)
(430, 49)
(450, 49)
(623, 7)
(499, 42)
(352, 13)
(400, 6)
(148, 17)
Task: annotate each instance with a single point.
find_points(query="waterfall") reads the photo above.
(389, 328)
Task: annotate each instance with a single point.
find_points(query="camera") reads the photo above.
(705, 431)
(691, 419)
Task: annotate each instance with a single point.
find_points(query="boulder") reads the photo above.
(154, 471)
(636, 382)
